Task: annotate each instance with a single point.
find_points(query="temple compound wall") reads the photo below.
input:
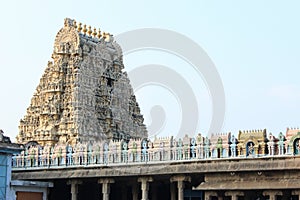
(249, 144)
(84, 94)
(83, 137)
(253, 165)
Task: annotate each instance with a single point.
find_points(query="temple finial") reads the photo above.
(89, 31)
(69, 22)
(79, 27)
(104, 35)
(99, 34)
(95, 32)
(84, 29)
(74, 24)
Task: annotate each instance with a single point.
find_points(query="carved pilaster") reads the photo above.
(272, 194)
(234, 194)
(74, 188)
(145, 186)
(296, 193)
(209, 194)
(106, 187)
(180, 179)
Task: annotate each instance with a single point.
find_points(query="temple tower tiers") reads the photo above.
(83, 94)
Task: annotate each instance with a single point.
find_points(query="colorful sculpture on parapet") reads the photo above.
(166, 149)
(83, 94)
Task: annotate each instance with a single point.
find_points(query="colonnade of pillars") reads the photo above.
(271, 194)
(178, 181)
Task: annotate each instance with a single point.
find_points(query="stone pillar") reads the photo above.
(272, 194)
(209, 194)
(180, 184)
(145, 186)
(234, 194)
(135, 192)
(74, 188)
(106, 187)
(173, 190)
(263, 149)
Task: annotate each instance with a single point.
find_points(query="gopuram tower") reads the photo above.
(83, 94)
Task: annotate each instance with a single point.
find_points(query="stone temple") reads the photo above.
(84, 95)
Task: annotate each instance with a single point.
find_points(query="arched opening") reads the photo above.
(297, 146)
(250, 149)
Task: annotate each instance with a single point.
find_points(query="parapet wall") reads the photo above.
(145, 151)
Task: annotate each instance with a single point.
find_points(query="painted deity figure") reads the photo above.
(199, 151)
(133, 152)
(233, 146)
(271, 145)
(144, 151)
(96, 154)
(206, 147)
(193, 148)
(179, 149)
(124, 152)
(161, 151)
(105, 153)
(281, 144)
(69, 155)
(250, 149)
(113, 151)
(41, 157)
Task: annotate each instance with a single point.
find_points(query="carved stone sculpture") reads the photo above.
(83, 95)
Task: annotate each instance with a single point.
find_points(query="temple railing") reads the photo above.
(137, 151)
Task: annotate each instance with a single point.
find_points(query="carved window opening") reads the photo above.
(250, 149)
(109, 82)
(297, 146)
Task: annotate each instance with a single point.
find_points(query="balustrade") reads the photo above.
(132, 151)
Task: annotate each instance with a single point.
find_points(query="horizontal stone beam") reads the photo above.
(291, 183)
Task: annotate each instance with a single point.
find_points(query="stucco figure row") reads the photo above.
(248, 144)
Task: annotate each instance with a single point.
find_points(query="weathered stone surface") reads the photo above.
(83, 94)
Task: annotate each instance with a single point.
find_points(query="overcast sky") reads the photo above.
(254, 46)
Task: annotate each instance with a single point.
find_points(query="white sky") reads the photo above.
(254, 45)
